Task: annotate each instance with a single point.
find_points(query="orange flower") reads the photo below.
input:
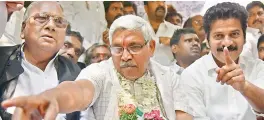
(129, 108)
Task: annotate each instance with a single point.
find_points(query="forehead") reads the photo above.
(155, 2)
(128, 8)
(116, 4)
(101, 49)
(176, 17)
(226, 25)
(197, 17)
(189, 35)
(74, 41)
(127, 36)
(255, 9)
(52, 8)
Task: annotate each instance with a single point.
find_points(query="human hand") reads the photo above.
(231, 73)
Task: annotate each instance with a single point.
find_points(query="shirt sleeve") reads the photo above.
(193, 88)
(180, 99)
(96, 75)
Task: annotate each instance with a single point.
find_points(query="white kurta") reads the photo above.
(107, 85)
(211, 100)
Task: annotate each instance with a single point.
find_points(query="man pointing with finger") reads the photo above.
(223, 85)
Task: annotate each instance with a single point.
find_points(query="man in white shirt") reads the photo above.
(156, 13)
(113, 10)
(35, 66)
(186, 48)
(255, 28)
(127, 85)
(224, 85)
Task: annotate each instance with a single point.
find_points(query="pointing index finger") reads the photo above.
(228, 59)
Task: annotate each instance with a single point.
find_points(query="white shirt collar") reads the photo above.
(253, 30)
(24, 57)
(212, 66)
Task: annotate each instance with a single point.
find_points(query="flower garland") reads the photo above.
(147, 108)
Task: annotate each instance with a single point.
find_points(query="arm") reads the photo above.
(231, 74)
(181, 105)
(66, 97)
(255, 96)
(180, 115)
(73, 95)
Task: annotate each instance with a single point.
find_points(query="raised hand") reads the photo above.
(14, 6)
(105, 37)
(231, 73)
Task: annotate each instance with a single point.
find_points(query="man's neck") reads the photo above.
(183, 63)
(155, 24)
(37, 58)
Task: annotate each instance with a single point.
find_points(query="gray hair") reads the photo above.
(31, 5)
(90, 51)
(132, 22)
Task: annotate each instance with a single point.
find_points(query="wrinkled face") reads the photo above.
(129, 10)
(72, 48)
(99, 54)
(130, 53)
(189, 47)
(157, 9)
(197, 24)
(261, 51)
(176, 20)
(226, 33)
(255, 15)
(45, 27)
(115, 11)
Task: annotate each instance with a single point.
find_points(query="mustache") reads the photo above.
(127, 64)
(230, 48)
(117, 16)
(160, 8)
(257, 20)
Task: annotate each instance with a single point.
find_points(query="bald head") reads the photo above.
(36, 6)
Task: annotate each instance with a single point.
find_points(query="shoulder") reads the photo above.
(8, 50)
(170, 25)
(97, 70)
(68, 63)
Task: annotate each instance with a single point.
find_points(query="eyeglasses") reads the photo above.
(134, 49)
(43, 18)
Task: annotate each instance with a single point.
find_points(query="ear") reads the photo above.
(174, 48)
(152, 46)
(146, 9)
(207, 40)
(22, 35)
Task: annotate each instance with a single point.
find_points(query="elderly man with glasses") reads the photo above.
(128, 86)
(35, 66)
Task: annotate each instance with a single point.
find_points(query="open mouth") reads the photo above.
(47, 37)
(196, 49)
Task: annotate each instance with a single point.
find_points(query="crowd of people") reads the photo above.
(209, 67)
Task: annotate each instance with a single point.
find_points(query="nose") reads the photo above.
(102, 57)
(227, 42)
(195, 42)
(126, 55)
(70, 52)
(120, 11)
(50, 25)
